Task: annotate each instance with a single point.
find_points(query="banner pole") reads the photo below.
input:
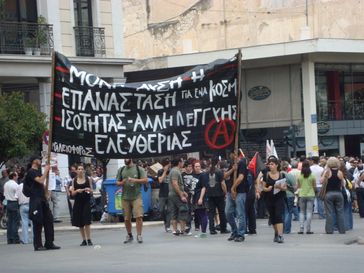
(50, 135)
(237, 125)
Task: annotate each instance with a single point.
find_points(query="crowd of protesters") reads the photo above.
(199, 196)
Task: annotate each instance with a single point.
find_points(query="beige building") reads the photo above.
(88, 32)
(303, 63)
(168, 27)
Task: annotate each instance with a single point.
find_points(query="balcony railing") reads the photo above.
(90, 41)
(26, 38)
(340, 110)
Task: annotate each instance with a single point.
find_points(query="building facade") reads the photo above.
(303, 64)
(88, 32)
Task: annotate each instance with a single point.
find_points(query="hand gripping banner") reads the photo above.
(192, 112)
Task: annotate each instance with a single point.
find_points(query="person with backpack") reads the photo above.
(275, 197)
(216, 192)
(39, 211)
(131, 177)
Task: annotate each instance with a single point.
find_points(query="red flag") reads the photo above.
(256, 165)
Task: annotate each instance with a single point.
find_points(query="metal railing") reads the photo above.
(340, 110)
(26, 38)
(90, 41)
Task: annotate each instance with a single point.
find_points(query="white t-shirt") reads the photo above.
(317, 172)
(10, 188)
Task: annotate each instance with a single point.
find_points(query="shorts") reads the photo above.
(178, 210)
(133, 208)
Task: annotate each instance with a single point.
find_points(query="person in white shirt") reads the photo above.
(24, 214)
(317, 172)
(12, 208)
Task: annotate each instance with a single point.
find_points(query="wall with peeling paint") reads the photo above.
(155, 28)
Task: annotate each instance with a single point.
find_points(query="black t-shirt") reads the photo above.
(270, 196)
(189, 182)
(163, 187)
(214, 184)
(202, 181)
(37, 189)
(242, 169)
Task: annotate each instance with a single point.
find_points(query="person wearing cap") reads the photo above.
(39, 211)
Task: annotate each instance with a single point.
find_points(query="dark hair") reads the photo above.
(165, 162)
(306, 170)
(315, 159)
(275, 161)
(175, 161)
(12, 175)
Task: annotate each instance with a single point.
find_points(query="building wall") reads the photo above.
(158, 28)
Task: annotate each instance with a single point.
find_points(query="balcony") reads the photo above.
(26, 38)
(340, 110)
(90, 41)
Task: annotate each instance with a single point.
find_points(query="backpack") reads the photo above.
(27, 186)
(120, 174)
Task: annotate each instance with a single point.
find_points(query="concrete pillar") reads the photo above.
(342, 145)
(309, 108)
(117, 28)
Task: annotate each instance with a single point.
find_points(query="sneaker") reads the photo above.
(232, 237)
(128, 239)
(139, 239)
(168, 230)
(189, 233)
(252, 233)
(175, 233)
(280, 239)
(213, 232)
(300, 232)
(89, 242)
(84, 243)
(275, 238)
(309, 232)
(239, 239)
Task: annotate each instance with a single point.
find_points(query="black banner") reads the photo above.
(192, 112)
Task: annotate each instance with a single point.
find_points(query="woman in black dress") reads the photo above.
(82, 190)
(275, 201)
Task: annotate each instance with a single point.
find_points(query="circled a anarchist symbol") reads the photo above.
(219, 134)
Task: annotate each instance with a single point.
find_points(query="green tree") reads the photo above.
(21, 127)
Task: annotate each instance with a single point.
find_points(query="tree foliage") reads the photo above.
(21, 127)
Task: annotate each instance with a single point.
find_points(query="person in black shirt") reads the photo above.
(39, 211)
(275, 201)
(216, 192)
(236, 197)
(163, 179)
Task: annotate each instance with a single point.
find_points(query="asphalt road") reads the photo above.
(161, 252)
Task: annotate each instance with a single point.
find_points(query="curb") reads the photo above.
(97, 226)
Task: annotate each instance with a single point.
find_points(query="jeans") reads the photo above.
(55, 204)
(163, 208)
(320, 205)
(348, 215)
(288, 215)
(12, 210)
(306, 207)
(236, 208)
(24, 214)
(334, 203)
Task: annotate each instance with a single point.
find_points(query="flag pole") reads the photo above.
(237, 125)
(50, 135)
